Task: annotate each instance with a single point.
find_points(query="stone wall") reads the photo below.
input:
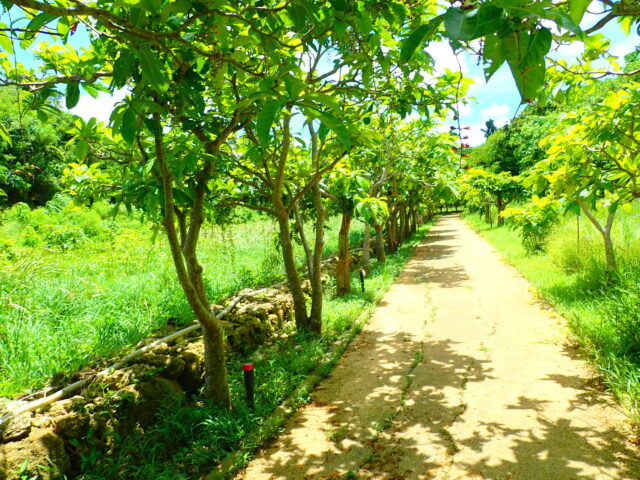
(53, 440)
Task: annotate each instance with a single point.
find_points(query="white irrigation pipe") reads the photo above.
(54, 397)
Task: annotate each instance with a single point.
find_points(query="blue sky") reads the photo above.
(498, 99)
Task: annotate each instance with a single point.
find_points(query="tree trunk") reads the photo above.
(487, 213)
(605, 231)
(215, 386)
(189, 272)
(295, 287)
(343, 282)
(501, 205)
(407, 223)
(392, 244)
(315, 319)
(380, 255)
(366, 253)
(414, 221)
(182, 226)
(402, 228)
(610, 254)
(303, 238)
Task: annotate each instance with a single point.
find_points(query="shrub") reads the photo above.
(29, 237)
(535, 221)
(64, 237)
(19, 212)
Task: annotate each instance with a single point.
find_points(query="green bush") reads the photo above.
(64, 237)
(535, 221)
(30, 238)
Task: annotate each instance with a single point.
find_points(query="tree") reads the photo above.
(34, 153)
(491, 128)
(594, 160)
(481, 188)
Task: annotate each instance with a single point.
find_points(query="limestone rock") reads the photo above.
(44, 451)
(16, 428)
(72, 425)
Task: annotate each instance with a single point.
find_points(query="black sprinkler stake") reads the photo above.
(362, 274)
(248, 384)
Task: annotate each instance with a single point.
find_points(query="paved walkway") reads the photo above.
(458, 375)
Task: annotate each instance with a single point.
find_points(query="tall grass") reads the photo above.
(603, 314)
(76, 285)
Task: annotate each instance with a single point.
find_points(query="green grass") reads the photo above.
(188, 439)
(76, 286)
(602, 314)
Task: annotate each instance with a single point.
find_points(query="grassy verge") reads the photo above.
(189, 439)
(603, 316)
(77, 285)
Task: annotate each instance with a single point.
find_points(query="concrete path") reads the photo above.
(458, 375)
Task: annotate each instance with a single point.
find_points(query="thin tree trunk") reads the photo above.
(315, 317)
(182, 226)
(380, 255)
(392, 244)
(407, 223)
(303, 238)
(293, 279)
(215, 386)
(366, 253)
(501, 205)
(605, 231)
(402, 228)
(343, 283)
(487, 213)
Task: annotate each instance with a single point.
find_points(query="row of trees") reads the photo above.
(580, 153)
(274, 105)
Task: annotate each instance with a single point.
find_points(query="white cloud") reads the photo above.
(475, 135)
(622, 50)
(496, 111)
(445, 58)
(99, 108)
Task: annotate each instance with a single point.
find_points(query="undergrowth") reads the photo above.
(188, 439)
(603, 314)
(76, 284)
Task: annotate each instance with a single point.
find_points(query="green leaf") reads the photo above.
(265, 120)
(323, 99)
(4, 134)
(399, 11)
(537, 48)
(338, 127)
(340, 5)
(81, 150)
(73, 95)
(38, 22)
(563, 21)
(466, 25)
(122, 69)
(90, 90)
(293, 86)
(152, 70)
(42, 116)
(128, 126)
(577, 9)
(418, 36)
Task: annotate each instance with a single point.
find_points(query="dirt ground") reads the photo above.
(458, 375)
